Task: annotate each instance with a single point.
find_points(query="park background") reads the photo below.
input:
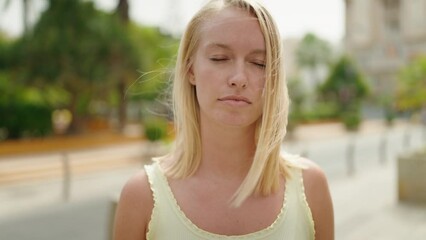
(83, 105)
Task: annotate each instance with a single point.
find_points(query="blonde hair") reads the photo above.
(268, 165)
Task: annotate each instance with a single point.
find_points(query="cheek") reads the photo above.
(257, 77)
(259, 86)
(206, 77)
(200, 72)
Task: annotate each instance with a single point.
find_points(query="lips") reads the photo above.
(235, 98)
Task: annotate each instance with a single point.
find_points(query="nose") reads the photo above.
(239, 77)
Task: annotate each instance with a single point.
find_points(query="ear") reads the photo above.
(191, 75)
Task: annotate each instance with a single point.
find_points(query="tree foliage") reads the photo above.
(313, 51)
(157, 62)
(5, 51)
(76, 47)
(411, 93)
(345, 84)
(23, 111)
(346, 87)
(312, 54)
(77, 55)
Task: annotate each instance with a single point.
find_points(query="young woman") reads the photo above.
(227, 177)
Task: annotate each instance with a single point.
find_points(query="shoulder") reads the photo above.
(313, 175)
(134, 208)
(319, 200)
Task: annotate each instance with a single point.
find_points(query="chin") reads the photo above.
(239, 123)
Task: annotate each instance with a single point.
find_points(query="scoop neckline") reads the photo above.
(203, 233)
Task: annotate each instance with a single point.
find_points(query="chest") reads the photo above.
(209, 208)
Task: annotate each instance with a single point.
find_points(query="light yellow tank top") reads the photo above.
(168, 221)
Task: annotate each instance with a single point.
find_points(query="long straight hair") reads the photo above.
(268, 165)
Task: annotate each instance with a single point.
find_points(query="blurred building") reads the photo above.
(383, 36)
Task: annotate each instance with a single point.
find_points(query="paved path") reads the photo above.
(365, 204)
(366, 208)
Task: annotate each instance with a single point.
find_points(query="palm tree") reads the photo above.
(122, 10)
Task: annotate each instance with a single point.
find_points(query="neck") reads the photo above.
(227, 152)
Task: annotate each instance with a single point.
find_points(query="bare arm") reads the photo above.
(134, 209)
(319, 200)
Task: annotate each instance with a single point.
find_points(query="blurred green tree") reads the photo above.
(158, 62)
(411, 91)
(78, 48)
(23, 111)
(76, 56)
(150, 93)
(4, 49)
(297, 96)
(346, 87)
(156, 50)
(313, 56)
(312, 53)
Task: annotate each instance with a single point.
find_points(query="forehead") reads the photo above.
(232, 26)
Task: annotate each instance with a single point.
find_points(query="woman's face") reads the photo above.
(228, 69)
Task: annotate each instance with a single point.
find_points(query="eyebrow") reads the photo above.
(226, 47)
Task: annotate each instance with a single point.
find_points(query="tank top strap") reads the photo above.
(153, 183)
(298, 207)
(164, 198)
(166, 211)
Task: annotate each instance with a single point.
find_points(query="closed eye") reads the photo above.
(259, 64)
(218, 59)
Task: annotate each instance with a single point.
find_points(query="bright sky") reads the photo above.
(294, 17)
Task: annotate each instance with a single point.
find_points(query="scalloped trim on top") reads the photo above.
(203, 233)
(150, 172)
(305, 202)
